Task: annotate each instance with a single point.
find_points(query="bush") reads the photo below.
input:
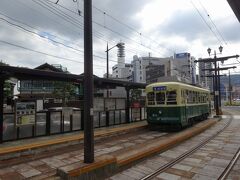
(234, 103)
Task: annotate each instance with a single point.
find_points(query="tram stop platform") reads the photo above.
(108, 159)
(27, 146)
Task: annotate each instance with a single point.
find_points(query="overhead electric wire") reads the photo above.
(44, 14)
(63, 16)
(199, 13)
(43, 53)
(220, 34)
(57, 42)
(30, 26)
(101, 36)
(130, 27)
(19, 26)
(40, 52)
(59, 13)
(109, 29)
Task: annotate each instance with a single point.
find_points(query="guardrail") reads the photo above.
(54, 122)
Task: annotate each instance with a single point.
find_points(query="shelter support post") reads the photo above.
(128, 105)
(1, 108)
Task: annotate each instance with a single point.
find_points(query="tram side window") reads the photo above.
(194, 97)
(160, 98)
(188, 97)
(171, 97)
(150, 98)
(199, 97)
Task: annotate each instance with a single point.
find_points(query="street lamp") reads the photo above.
(108, 49)
(217, 94)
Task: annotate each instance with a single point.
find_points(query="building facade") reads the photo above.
(206, 77)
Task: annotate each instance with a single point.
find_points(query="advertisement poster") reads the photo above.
(25, 113)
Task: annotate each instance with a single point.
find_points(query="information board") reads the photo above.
(25, 113)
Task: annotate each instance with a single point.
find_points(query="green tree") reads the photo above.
(64, 91)
(136, 94)
(3, 64)
(7, 90)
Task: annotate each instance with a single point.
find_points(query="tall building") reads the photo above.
(181, 67)
(122, 70)
(140, 66)
(205, 81)
(186, 66)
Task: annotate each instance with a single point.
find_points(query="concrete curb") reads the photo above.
(103, 167)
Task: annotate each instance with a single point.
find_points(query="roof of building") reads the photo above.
(49, 67)
(235, 5)
(35, 74)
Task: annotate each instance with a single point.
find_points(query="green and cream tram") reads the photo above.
(176, 104)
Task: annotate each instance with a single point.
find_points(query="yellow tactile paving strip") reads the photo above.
(60, 140)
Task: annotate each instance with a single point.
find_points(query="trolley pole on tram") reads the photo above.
(216, 79)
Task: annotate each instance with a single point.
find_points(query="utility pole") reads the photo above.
(1, 108)
(229, 88)
(216, 75)
(218, 80)
(216, 92)
(107, 62)
(88, 84)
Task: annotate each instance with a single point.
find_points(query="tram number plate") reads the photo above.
(159, 88)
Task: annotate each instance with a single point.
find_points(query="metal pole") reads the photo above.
(107, 69)
(219, 89)
(216, 85)
(229, 88)
(1, 109)
(88, 84)
(127, 105)
(107, 62)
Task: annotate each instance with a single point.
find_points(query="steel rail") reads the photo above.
(186, 154)
(230, 166)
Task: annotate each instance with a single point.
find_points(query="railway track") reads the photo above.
(230, 166)
(191, 151)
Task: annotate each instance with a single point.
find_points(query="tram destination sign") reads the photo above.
(160, 88)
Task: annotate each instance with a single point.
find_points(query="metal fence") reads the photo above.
(54, 122)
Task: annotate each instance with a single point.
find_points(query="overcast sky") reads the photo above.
(33, 32)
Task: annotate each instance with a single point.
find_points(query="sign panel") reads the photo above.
(25, 113)
(182, 55)
(160, 88)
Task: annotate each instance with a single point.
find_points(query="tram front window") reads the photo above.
(171, 97)
(160, 98)
(150, 98)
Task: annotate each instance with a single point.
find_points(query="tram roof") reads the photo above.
(176, 84)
